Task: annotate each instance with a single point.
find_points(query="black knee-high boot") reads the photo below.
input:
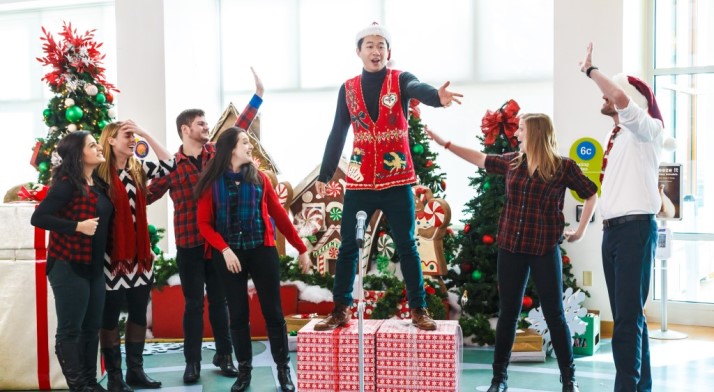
(500, 376)
(89, 348)
(244, 354)
(111, 352)
(70, 361)
(134, 344)
(278, 337)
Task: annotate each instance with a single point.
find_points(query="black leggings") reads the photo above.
(137, 300)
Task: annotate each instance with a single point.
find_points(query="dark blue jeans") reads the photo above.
(547, 271)
(197, 272)
(627, 253)
(397, 204)
(79, 302)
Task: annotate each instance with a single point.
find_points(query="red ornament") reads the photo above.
(429, 290)
(527, 302)
(467, 228)
(566, 260)
(443, 185)
(487, 239)
(466, 267)
(449, 231)
(429, 163)
(109, 95)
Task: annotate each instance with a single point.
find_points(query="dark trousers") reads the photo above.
(627, 253)
(79, 302)
(137, 300)
(197, 272)
(547, 271)
(397, 204)
(263, 266)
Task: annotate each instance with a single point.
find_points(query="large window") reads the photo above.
(23, 95)
(684, 80)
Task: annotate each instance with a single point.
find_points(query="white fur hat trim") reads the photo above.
(374, 29)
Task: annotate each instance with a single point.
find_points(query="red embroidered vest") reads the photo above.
(380, 154)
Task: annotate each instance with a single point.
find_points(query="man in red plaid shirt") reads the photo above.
(196, 271)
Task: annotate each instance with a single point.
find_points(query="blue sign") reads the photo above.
(586, 150)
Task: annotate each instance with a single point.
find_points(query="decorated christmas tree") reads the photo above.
(473, 272)
(83, 98)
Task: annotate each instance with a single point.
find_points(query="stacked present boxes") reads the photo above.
(397, 357)
(528, 347)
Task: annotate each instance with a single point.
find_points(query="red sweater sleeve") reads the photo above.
(206, 225)
(282, 220)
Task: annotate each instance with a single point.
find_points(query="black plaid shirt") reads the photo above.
(532, 219)
(75, 247)
(180, 184)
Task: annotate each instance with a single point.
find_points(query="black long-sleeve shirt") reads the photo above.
(409, 87)
(45, 216)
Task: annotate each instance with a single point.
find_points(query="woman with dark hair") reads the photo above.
(235, 204)
(529, 229)
(128, 263)
(77, 212)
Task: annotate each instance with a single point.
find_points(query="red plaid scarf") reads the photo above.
(129, 247)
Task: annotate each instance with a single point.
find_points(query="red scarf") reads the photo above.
(129, 247)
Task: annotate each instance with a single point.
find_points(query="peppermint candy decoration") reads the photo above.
(282, 192)
(336, 214)
(309, 221)
(333, 253)
(434, 213)
(333, 189)
(385, 246)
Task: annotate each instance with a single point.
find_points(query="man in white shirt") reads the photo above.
(630, 199)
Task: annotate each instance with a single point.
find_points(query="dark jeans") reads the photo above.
(137, 300)
(78, 302)
(627, 253)
(196, 272)
(263, 266)
(547, 271)
(397, 204)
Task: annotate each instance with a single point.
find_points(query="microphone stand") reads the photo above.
(360, 310)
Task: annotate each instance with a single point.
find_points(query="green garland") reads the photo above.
(290, 271)
(479, 328)
(387, 306)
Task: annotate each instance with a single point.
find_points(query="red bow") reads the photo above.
(35, 193)
(505, 118)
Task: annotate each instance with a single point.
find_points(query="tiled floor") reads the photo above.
(682, 365)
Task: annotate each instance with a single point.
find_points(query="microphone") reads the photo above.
(361, 218)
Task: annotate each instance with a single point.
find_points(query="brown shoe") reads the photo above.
(422, 320)
(340, 316)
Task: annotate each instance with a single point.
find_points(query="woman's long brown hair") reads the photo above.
(541, 146)
(133, 166)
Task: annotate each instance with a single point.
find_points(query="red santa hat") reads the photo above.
(640, 93)
(374, 29)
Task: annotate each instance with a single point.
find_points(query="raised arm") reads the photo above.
(609, 89)
(478, 158)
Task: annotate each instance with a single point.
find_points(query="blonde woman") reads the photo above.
(128, 263)
(530, 227)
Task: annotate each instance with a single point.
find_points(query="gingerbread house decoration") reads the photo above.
(319, 218)
(260, 155)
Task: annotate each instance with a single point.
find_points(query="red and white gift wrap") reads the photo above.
(19, 240)
(409, 359)
(29, 322)
(329, 360)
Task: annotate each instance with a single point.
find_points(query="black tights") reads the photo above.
(137, 300)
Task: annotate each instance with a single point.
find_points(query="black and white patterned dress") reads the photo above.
(118, 280)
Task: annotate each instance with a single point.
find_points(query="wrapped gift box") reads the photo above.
(409, 359)
(19, 240)
(29, 322)
(329, 360)
(589, 342)
(528, 340)
(295, 322)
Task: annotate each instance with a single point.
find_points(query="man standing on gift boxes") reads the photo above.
(195, 270)
(630, 200)
(380, 173)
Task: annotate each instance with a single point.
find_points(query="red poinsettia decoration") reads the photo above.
(503, 120)
(76, 54)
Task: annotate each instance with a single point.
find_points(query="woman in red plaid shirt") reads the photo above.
(530, 228)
